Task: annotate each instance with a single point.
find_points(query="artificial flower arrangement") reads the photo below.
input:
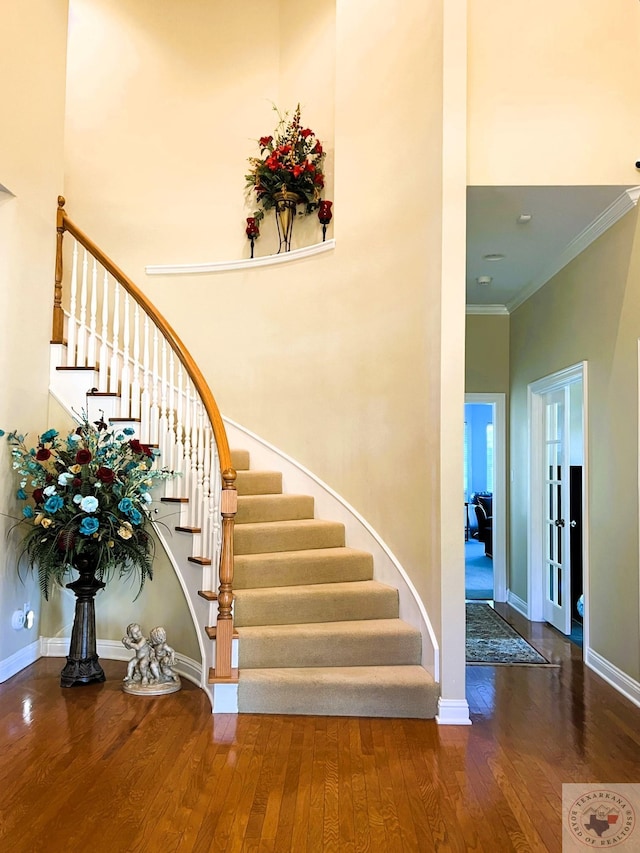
(290, 159)
(86, 496)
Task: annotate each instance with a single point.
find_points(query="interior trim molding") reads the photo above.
(517, 603)
(18, 660)
(616, 210)
(487, 309)
(498, 403)
(618, 679)
(242, 263)
(58, 647)
(453, 712)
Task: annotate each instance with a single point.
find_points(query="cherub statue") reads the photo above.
(165, 655)
(142, 668)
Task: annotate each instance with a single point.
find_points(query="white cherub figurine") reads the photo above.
(164, 654)
(143, 667)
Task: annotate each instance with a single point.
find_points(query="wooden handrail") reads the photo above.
(200, 383)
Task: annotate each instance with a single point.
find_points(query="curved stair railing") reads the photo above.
(147, 377)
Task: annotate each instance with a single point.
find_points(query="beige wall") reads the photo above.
(164, 106)
(591, 310)
(335, 359)
(487, 353)
(32, 74)
(553, 92)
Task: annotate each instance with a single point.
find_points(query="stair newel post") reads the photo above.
(57, 330)
(224, 626)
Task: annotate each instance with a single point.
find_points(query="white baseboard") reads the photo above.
(517, 603)
(58, 647)
(618, 679)
(17, 661)
(453, 712)
(622, 682)
(225, 699)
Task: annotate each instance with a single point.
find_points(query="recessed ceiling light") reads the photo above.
(484, 279)
(524, 218)
(493, 256)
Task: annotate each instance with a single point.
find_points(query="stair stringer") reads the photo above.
(359, 534)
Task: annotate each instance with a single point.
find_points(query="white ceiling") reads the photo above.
(564, 220)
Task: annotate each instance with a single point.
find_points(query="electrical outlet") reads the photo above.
(17, 620)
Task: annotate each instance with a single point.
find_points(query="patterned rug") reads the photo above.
(491, 640)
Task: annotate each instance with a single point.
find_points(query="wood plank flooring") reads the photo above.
(94, 768)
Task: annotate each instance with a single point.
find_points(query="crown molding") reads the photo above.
(242, 264)
(487, 309)
(616, 210)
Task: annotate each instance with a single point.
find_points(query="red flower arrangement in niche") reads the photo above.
(291, 159)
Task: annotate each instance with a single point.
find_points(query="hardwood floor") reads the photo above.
(93, 768)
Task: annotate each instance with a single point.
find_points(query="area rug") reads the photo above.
(492, 641)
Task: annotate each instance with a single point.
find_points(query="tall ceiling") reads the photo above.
(563, 221)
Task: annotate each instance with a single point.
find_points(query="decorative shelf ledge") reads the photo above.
(242, 264)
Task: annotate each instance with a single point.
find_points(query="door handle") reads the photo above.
(559, 522)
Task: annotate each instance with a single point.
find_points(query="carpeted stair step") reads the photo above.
(288, 568)
(369, 642)
(259, 482)
(330, 602)
(240, 460)
(266, 537)
(260, 508)
(363, 691)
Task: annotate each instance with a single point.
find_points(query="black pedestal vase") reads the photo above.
(82, 665)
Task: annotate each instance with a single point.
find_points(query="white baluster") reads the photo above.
(193, 474)
(216, 497)
(72, 325)
(81, 358)
(186, 471)
(206, 493)
(103, 376)
(145, 397)
(91, 345)
(135, 379)
(125, 379)
(199, 495)
(171, 416)
(114, 372)
(162, 425)
(154, 412)
(179, 457)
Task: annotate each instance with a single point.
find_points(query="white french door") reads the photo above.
(556, 510)
(558, 440)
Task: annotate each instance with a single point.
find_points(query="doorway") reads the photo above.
(557, 534)
(485, 497)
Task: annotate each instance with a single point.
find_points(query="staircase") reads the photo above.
(317, 635)
(296, 623)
